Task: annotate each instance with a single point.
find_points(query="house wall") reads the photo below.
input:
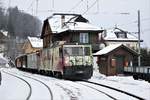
(29, 49)
(108, 66)
(2, 47)
(74, 37)
(112, 70)
(102, 64)
(47, 38)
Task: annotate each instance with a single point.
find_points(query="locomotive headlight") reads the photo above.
(87, 60)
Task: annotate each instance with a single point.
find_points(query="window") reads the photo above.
(121, 34)
(77, 51)
(84, 38)
(86, 51)
(113, 62)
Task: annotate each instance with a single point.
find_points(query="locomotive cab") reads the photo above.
(77, 61)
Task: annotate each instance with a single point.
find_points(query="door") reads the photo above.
(119, 64)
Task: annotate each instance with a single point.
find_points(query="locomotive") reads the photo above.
(61, 60)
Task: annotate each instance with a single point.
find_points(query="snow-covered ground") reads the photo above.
(15, 89)
(66, 90)
(126, 83)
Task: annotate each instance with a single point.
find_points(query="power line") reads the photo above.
(97, 6)
(75, 5)
(37, 7)
(134, 22)
(145, 30)
(53, 4)
(27, 1)
(30, 6)
(89, 7)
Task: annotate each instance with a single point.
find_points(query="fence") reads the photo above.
(142, 69)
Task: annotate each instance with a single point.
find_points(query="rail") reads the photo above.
(121, 91)
(29, 95)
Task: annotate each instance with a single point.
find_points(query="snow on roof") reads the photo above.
(82, 26)
(107, 49)
(112, 36)
(4, 32)
(70, 24)
(36, 42)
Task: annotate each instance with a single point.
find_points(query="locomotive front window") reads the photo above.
(87, 51)
(76, 51)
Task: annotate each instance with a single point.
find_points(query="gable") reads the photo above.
(46, 29)
(26, 45)
(80, 18)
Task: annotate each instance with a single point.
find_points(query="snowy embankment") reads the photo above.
(140, 88)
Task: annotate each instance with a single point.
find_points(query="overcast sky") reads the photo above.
(102, 13)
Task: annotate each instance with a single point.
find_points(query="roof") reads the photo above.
(70, 22)
(5, 33)
(79, 26)
(36, 42)
(112, 47)
(111, 36)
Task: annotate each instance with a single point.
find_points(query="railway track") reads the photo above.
(75, 96)
(89, 85)
(50, 92)
(112, 88)
(30, 91)
(113, 98)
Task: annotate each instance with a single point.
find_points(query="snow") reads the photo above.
(56, 24)
(15, 89)
(82, 26)
(107, 49)
(110, 48)
(126, 83)
(2, 57)
(4, 32)
(36, 42)
(12, 88)
(112, 36)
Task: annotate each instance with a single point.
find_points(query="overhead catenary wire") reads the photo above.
(30, 6)
(131, 23)
(75, 6)
(89, 7)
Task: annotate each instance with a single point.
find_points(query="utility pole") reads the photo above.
(9, 3)
(139, 37)
(37, 7)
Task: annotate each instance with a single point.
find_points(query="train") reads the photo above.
(61, 60)
(138, 72)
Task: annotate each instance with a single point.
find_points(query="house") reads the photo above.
(32, 44)
(19, 43)
(113, 58)
(117, 35)
(72, 28)
(3, 40)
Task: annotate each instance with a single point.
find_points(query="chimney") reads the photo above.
(62, 20)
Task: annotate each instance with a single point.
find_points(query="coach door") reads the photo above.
(119, 64)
